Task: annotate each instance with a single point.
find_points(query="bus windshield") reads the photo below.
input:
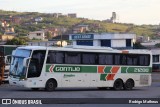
(16, 68)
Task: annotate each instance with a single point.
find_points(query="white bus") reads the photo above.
(38, 67)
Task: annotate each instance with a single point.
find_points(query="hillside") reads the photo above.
(27, 24)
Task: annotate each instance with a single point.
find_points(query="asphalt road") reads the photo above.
(153, 91)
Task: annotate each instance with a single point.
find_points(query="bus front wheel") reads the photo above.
(118, 84)
(129, 84)
(50, 85)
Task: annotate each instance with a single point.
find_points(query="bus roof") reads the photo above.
(10, 45)
(87, 49)
(33, 47)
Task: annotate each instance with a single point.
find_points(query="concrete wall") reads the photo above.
(118, 43)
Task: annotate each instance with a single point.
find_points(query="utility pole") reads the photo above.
(61, 37)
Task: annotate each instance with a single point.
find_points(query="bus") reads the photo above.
(5, 54)
(156, 60)
(48, 68)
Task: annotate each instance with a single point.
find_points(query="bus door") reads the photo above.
(35, 67)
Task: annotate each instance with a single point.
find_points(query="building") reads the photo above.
(151, 43)
(9, 30)
(72, 15)
(38, 19)
(80, 29)
(16, 20)
(56, 15)
(37, 35)
(4, 24)
(53, 31)
(61, 40)
(6, 37)
(114, 40)
(112, 19)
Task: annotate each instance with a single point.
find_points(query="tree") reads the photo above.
(49, 35)
(16, 41)
(138, 45)
(157, 45)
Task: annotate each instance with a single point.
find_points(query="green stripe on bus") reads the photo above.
(47, 68)
(71, 68)
(136, 69)
(107, 69)
(103, 77)
(93, 69)
(89, 69)
(123, 69)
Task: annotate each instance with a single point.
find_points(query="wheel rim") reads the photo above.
(50, 85)
(118, 85)
(129, 85)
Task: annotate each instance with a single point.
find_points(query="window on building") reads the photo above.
(106, 43)
(85, 42)
(155, 58)
(128, 43)
(105, 59)
(38, 34)
(89, 58)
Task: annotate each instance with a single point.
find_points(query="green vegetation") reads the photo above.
(16, 41)
(138, 45)
(27, 24)
(157, 45)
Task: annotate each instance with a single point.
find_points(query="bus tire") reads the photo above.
(118, 84)
(50, 85)
(35, 89)
(129, 84)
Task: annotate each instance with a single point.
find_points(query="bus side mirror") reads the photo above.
(25, 62)
(7, 59)
(13, 52)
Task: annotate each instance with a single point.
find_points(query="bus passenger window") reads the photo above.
(105, 59)
(72, 58)
(132, 59)
(89, 58)
(144, 60)
(123, 59)
(55, 57)
(117, 59)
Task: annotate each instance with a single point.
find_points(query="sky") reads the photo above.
(128, 11)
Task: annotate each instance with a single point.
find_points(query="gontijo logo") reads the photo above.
(69, 69)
